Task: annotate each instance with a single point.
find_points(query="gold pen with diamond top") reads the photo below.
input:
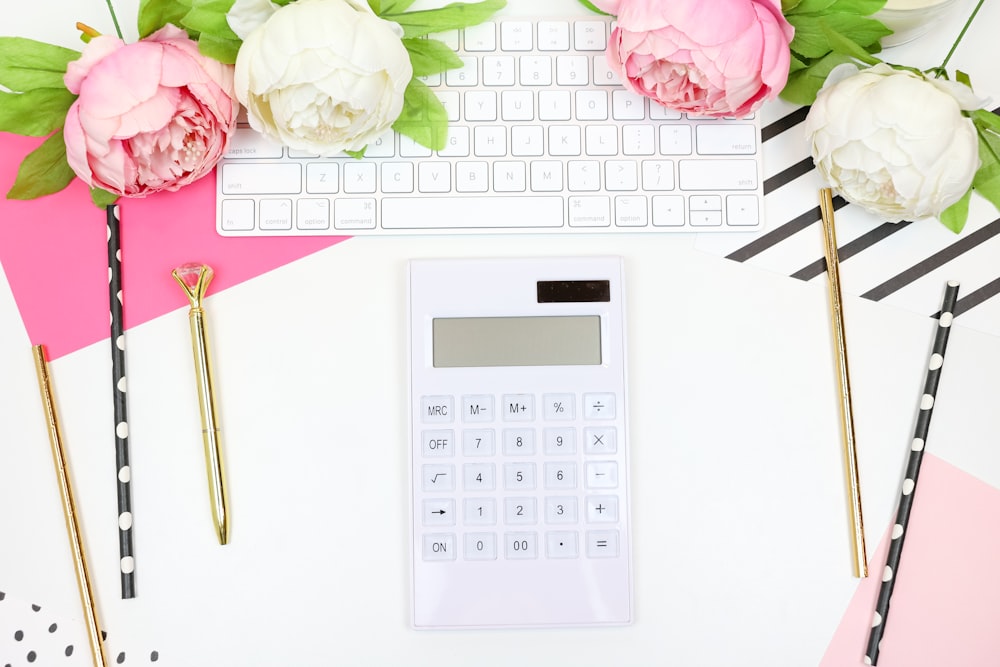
(194, 279)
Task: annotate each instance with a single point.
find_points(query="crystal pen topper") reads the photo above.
(194, 279)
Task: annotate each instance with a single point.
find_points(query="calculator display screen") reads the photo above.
(559, 340)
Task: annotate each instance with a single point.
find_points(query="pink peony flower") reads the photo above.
(152, 115)
(708, 58)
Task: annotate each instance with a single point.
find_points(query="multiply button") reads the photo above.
(600, 440)
(599, 406)
(437, 409)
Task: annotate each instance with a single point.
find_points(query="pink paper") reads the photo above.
(947, 595)
(54, 253)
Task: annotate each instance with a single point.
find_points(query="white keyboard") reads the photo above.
(542, 138)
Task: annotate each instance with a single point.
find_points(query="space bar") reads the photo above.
(485, 212)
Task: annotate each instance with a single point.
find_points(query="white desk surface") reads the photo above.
(741, 542)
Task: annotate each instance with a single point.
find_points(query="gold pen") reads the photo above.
(69, 509)
(844, 382)
(194, 279)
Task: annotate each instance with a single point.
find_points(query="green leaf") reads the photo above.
(955, 216)
(591, 7)
(809, 7)
(963, 78)
(26, 64)
(841, 44)
(35, 113)
(44, 170)
(430, 56)
(455, 16)
(810, 32)
(221, 49)
(987, 179)
(154, 14)
(208, 17)
(357, 155)
(860, 7)
(423, 118)
(102, 198)
(795, 64)
(389, 6)
(803, 84)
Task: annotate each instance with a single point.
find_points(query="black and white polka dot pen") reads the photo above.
(122, 466)
(933, 376)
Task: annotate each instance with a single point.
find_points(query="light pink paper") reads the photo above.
(54, 253)
(947, 595)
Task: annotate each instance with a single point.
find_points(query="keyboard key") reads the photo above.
(238, 215)
(275, 214)
(453, 213)
(354, 214)
(668, 211)
(553, 36)
(742, 210)
(572, 70)
(482, 37)
(322, 178)
(261, 179)
(247, 143)
(434, 177)
(312, 214)
(631, 211)
(469, 177)
(466, 75)
(657, 175)
(509, 176)
(359, 177)
(591, 105)
(498, 71)
(517, 105)
(546, 176)
(481, 105)
(726, 139)
(527, 141)
(515, 36)
(589, 35)
(626, 105)
(535, 70)
(717, 174)
(590, 211)
(602, 140)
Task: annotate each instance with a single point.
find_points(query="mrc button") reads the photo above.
(437, 409)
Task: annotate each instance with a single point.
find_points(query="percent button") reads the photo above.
(560, 406)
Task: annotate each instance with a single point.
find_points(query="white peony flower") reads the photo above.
(320, 76)
(894, 142)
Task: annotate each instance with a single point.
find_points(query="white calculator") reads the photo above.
(519, 443)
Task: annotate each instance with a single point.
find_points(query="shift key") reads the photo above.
(261, 179)
(717, 174)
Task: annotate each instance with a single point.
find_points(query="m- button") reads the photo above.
(437, 409)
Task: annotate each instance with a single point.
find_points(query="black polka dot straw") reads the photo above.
(909, 488)
(122, 467)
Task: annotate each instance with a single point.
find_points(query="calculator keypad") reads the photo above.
(520, 476)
